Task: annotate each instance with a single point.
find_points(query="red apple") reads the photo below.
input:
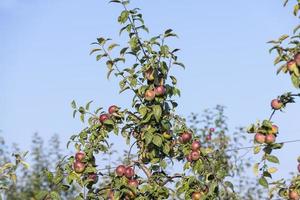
(196, 196)
(110, 195)
(160, 90)
(276, 104)
(93, 177)
(208, 137)
(149, 95)
(212, 130)
(196, 145)
(293, 195)
(133, 183)
(270, 138)
(129, 172)
(120, 170)
(103, 117)
(78, 167)
(291, 65)
(189, 157)
(185, 137)
(195, 155)
(112, 109)
(260, 138)
(79, 156)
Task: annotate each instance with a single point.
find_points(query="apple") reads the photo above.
(276, 104)
(274, 129)
(270, 138)
(79, 156)
(78, 167)
(160, 90)
(110, 195)
(297, 58)
(189, 157)
(291, 65)
(185, 137)
(260, 138)
(195, 155)
(129, 172)
(196, 196)
(112, 109)
(103, 117)
(133, 183)
(293, 195)
(196, 145)
(149, 95)
(212, 130)
(120, 170)
(149, 74)
(208, 137)
(93, 177)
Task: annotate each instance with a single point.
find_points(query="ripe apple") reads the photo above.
(133, 183)
(78, 167)
(93, 177)
(293, 195)
(189, 157)
(196, 196)
(297, 58)
(274, 129)
(270, 138)
(212, 130)
(103, 117)
(110, 195)
(112, 109)
(195, 155)
(196, 145)
(208, 137)
(185, 137)
(260, 138)
(276, 104)
(149, 95)
(129, 172)
(79, 156)
(149, 74)
(120, 170)
(291, 65)
(299, 167)
(160, 90)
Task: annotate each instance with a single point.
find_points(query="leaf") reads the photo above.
(112, 46)
(95, 50)
(255, 169)
(180, 64)
(272, 170)
(256, 149)
(283, 37)
(157, 111)
(73, 104)
(174, 80)
(87, 106)
(263, 182)
(123, 17)
(229, 184)
(157, 140)
(143, 111)
(295, 80)
(272, 159)
(296, 9)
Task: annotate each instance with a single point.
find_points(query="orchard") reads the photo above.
(159, 139)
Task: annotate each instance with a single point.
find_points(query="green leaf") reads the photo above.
(87, 106)
(256, 149)
(157, 140)
(112, 46)
(54, 195)
(263, 182)
(272, 158)
(180, 64)
(73, 104)
(157, 111)
(94, 50)
(255, 169)
(123, 17)
(143, 111)
(295, 80)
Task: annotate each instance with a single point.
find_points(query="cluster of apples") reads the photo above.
(194, 155)
(112, 109)
(128, 172)
(79, 166)
(268, 138)
(158, 91)
(294, 64)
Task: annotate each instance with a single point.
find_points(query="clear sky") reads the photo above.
(45, 62)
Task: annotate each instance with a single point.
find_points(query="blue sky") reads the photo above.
(45, 62)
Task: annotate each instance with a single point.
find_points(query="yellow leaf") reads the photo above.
(272, 170)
